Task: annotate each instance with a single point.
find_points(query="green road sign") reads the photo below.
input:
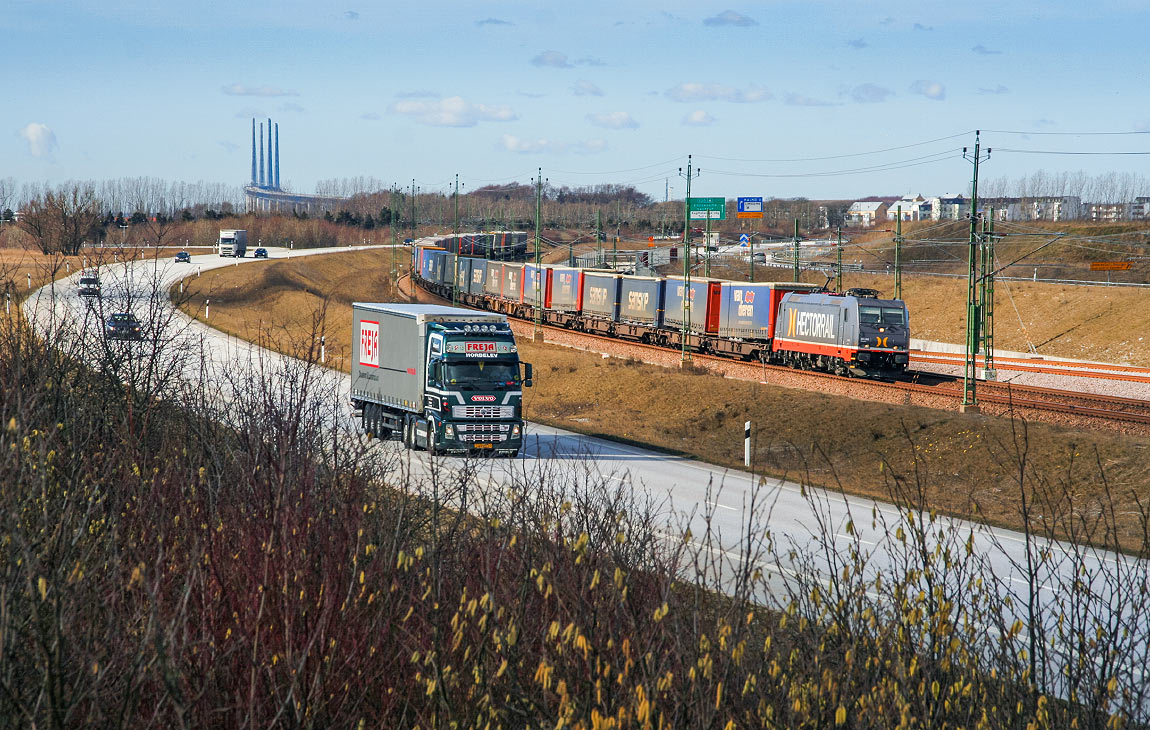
(700, 209)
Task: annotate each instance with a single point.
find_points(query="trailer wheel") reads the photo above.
(407, 430)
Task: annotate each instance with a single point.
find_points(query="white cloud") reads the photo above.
(793, 99)
(984, 51)
(730, 17)
(244, 90)
(41, 140)
(583, 87)
(511, 143)
(698, 118)
(929, 89)
(417, 94)
(613, 120)
(351, 14)
(452, 112)
(869, 93)
(693, 91)
(493, 21)
(369, 116)
(291, 106)
(554, 59)
(1000, 89)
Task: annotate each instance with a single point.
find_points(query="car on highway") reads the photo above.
(261, 253)
(89, 285)
(123, 326)
(183, 257)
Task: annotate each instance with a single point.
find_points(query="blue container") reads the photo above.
(462, 272)
(601, 295)
(431, 264)
(535, 284)
(641, 299)
(477, 274)
(566, 289)
(704, 304)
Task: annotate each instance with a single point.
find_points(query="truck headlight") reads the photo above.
(449, 431)
(515, 431)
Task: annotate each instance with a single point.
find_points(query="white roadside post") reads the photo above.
(747, 443)
(29, 281)
(323, 349)
(207, 308)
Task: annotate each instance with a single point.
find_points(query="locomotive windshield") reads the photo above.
(881, 316)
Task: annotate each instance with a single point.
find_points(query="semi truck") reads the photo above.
(446, 379)
(233, 242)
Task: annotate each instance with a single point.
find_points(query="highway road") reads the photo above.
(735, 518)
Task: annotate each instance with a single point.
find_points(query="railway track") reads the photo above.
(945, 388)
(1100, 371)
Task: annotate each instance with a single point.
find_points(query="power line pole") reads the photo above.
(686, 355)
(988, 372)
(538, 335)
(973, 311)
(752, 240)
(599, 237)
(898, 255)
(707, 248)
(796, 273)
(615, 249)
(839, 261)
(458, 249)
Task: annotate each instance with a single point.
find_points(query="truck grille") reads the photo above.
(485, 432)
(483, 411)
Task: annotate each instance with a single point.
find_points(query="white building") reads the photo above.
(865, 213)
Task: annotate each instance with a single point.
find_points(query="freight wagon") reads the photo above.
(796, 324)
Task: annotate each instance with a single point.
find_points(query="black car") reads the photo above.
(89, 286)
(123, 326)
(183, 257)
(261, 253)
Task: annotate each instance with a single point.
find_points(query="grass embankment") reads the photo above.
(967, 464)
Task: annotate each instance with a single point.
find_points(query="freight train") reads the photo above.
(795, 324)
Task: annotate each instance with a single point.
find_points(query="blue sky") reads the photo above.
(591, 92)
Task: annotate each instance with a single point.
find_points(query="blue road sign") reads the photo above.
(744, 239)
(750, 208)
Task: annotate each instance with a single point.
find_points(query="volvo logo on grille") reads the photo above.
(483, 398)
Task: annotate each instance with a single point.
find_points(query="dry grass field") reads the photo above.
(965, 464)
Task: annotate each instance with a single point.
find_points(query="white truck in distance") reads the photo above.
(233, 242)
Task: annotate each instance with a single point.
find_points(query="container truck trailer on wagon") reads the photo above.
(447, 379)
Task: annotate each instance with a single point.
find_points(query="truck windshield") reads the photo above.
(488, 374)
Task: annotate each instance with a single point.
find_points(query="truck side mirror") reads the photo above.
(527, 375)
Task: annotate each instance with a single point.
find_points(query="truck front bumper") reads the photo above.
(480, 438)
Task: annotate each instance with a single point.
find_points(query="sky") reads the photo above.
(812, 98)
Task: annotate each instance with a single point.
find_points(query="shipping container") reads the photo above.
(533, 293)
(512, 282)
(476, 277)
(641, 300)
(703, 300)
(601, 295)
(566, 289)
(493, 281)
(748, 311)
